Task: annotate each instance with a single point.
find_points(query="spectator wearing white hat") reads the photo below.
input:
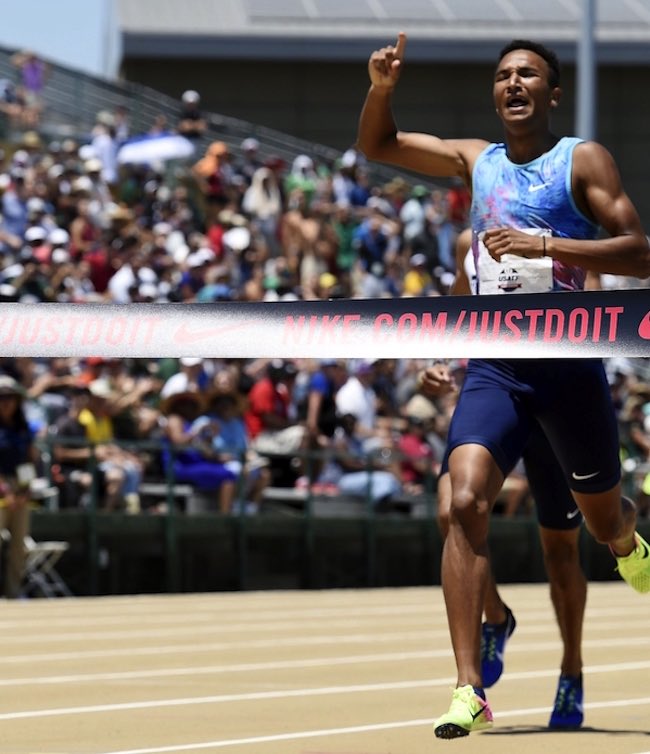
(418, 281)
(38, 213)
(105, 146)
(191, 122)
(99, 190)
(130, 276)
(59, 265)
(37, 248)
(193, 278)
(191, 376)
(35, 235)
(32, 276)
(302, 177)
(250, 161)
(345, 184)
(58, 238)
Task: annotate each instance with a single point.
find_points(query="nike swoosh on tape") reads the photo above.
(185, 335)
(582, 477)
(644, 327)
(572, 514)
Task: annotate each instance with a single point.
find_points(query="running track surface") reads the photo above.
(333, 672)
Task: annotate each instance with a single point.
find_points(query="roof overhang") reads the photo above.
(450, 49)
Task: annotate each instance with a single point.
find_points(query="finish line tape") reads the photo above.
(553, 325)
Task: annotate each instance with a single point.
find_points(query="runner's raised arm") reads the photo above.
(379, 138)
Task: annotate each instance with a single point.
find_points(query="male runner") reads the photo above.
(540, 199)
(559, 528)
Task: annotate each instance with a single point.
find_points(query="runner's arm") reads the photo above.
(379, 138)
(600, 194)
(462, 286)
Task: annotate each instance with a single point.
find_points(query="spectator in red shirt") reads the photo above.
(268, 422)
(418, 456)
(459, 200)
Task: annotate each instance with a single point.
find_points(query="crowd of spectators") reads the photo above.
(78, 225)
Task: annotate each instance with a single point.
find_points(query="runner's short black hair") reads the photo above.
(548, 55)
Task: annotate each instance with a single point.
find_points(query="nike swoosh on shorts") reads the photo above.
(582, 477)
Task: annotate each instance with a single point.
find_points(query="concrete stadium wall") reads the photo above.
(320, 101)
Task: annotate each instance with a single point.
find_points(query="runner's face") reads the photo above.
(521, 87)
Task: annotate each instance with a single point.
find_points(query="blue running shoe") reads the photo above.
(493, 644)
(568, 707)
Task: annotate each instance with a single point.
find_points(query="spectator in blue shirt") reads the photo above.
(231, 445)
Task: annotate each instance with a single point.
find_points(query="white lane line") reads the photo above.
(210, 629)
(428, 635)
(278, 619)
(221, 744)
(196, 648)
(303, 692)
(225, 669)
(191, 629)
(222, 698)
(310, 662)
(243, 617)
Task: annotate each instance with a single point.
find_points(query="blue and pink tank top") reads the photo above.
(535, 197)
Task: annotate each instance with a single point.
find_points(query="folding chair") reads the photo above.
(41, 576)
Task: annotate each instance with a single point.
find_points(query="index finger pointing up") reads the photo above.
(400, 46)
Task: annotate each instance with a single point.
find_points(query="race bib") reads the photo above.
(513, 274)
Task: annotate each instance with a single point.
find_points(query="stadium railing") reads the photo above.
(73, 99)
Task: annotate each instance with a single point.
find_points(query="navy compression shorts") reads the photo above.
(554, 504)
(570, 398)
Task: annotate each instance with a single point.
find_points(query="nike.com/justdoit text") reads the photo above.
(545, 325)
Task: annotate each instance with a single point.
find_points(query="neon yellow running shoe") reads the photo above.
(635, 567)
(467, 713)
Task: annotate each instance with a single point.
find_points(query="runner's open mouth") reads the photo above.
(516, 102)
